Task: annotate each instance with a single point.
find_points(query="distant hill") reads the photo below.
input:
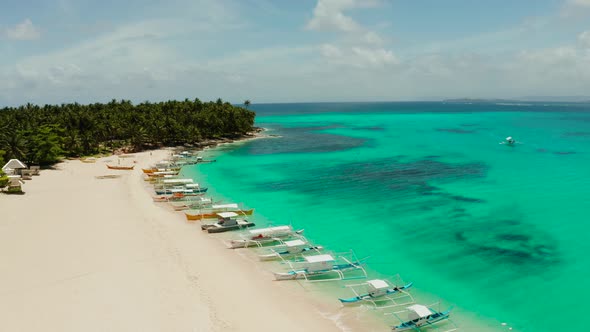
(538, 99)
(563, 99)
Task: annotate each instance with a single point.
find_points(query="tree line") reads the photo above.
(44, 134)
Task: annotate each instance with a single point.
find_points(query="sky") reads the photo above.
(56, 51)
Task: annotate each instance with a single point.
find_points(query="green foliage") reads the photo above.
(15, 191)
(42, 134)
(2, 162)
(3, 179)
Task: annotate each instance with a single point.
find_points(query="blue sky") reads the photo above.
(54, 51)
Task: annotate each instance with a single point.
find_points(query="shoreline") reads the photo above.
(367, 319)
(83, 253)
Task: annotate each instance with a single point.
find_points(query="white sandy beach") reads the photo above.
(79, 253)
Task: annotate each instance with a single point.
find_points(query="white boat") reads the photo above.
(227, 221)
(321, 267)
(509, 141)
(290, 249)
(419, 316)
(170, 183)
(380, 293)
(262, 236)
(196, 202)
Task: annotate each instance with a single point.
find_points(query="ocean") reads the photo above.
(427, 191)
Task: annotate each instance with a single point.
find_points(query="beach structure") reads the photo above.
(379, 293)
(323, 267)
(35, 170)
(419, 316)
(227, 221)
(262, 236)
(14, 167)
(15, 182)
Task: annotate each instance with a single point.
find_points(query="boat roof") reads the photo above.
(225, 206)
(294, 243)
(269, 230)
(227, 214)
(421, 310)
(319, 258)
(192, 185)
(14, 164)
(178, 181)
(378, 283)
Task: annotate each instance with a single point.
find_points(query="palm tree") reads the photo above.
(247, 103)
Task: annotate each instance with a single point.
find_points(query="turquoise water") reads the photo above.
(427, 191)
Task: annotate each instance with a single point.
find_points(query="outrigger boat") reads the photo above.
(165, 169)
(161, 174)
(184, 189)
(121, 168)
(290, 249)
(320, 266)
(227, 222)
(199, 202)
(216, 208)
(168, 182)
(262, 236)
(380, 293)
(420, 316)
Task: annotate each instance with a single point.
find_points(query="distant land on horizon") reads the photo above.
(550, 99)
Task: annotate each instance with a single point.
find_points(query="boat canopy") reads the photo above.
(178, 181)
(225, 206)
(294, 243)
(420, 310)
(270, 230)
(378, 284)
(319, 258)
(225, 215)
(192, 185)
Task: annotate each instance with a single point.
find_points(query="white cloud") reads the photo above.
(582, 3)
(22, 31)
(371, 37)
(584, 39)
(575, 8)
(329, 14)
(360, 47)
(375, 57)
(360, 57)
(330, 51)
